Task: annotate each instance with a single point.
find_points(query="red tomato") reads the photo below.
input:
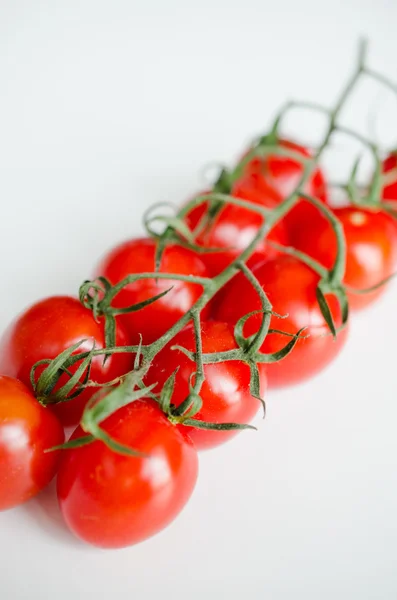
(234, 228)
(112, 500)
(225, 392)
(46, 329)
(26, 430)
(389, 169)
(291, 288)
(137, 256)
(282, 175)
(371, 242)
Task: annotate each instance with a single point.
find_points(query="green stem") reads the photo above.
(204, 281)
(385, 81)
(266, 308)
(226, 198)
(212, 286)
(337, 272)
(297, 104)
(305, 258)
(200, 376)
(273, 218)
(358, 136)
(175, 225)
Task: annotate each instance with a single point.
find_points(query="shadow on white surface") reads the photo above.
(46, 515)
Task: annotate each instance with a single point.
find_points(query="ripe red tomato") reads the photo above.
(26, 430)
(371, 243)
(234, 228)
(291, 288)
(281, 175)
(225, 392)
(112, 500)
(45, 330)
(137, 256)
(389, 169)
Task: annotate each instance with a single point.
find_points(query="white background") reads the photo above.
(106, 107)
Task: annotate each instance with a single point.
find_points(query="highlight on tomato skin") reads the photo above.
(234, 228)
(112, 500)
(27, 429)
(226, 391)
(46, 329)
(371, 249)
(138, 256)
(291, 288)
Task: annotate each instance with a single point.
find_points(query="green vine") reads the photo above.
(99, 295)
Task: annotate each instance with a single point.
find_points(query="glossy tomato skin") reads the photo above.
(26, 430)
(282, 174)
(389, 169)
(371, 244)
(112, 500)
(291, 288)
(225, 392)
(46, 329)
(234, 228)
(137, 256)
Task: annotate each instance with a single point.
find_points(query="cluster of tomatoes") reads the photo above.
(112, 499)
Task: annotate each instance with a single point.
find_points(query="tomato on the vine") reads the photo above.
(226, 390)
(291, 288)
(138, 256)
(275, 175)
(48, 328)
(113, 500)
(233, 228)
(27, 429)
(371, 248)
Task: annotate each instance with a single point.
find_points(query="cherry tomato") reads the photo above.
(234, 228)
(45, 330)
(137, 256)
(389, 169)
(281, 175)
(225, 392)
(26, 430)
(291, 288)
(371, 243)
(113, 500)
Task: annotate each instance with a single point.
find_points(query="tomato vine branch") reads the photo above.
(99, 295)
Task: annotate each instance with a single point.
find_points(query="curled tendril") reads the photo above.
(97, 295)
(178, 226)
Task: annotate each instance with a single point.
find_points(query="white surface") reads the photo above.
(106, 107)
